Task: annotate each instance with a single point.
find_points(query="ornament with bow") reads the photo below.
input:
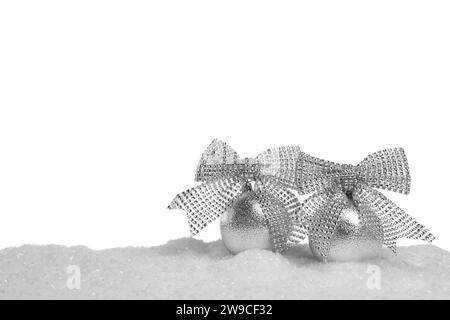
(227, 187)
(341, 190)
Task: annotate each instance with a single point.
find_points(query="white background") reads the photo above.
(106, 106)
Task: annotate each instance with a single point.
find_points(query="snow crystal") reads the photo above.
(192, 269)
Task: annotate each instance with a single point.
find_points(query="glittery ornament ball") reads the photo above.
(242, 225)
(358, 236)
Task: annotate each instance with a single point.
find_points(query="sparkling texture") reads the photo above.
(333, 184)
(226, 176)
(243, 225)
(396, 222)
(192, 269)
(387, 169)
(358, 235)
(206, 202)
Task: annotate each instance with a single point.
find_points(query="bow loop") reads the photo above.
(280, 207)
(387, 169)
(219, 161)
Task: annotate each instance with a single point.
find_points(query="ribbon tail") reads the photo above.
(283, 195)
(387, 169)
(321, 215)
(302, 221)
(280, 164)
(281, 207)
(206, 202)
(395, 221)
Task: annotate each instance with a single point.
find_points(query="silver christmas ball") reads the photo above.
(242, 225)
(356, 237)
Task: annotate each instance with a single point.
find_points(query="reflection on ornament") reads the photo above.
(358, 235)
(243, 225)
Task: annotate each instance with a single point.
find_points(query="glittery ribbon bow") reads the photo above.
(226, 176)
(334, 183)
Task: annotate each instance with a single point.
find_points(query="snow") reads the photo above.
(192, 269)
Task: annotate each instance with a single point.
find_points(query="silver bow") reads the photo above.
(333, 183)
(225, 176)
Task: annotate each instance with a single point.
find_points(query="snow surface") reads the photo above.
(191, 269)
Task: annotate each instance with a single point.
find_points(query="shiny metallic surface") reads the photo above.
(358, 236)
(243, 225)
(225, 177)
(331, 183)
